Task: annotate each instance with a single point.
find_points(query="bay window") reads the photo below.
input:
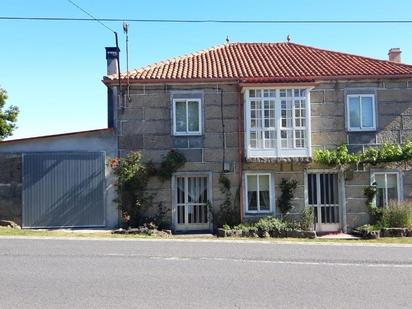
(277, 122)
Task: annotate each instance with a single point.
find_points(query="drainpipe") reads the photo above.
(240, 147)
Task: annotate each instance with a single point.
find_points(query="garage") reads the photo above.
(63, 190)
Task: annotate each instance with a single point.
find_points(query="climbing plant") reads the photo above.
(133, 176)
(385, 153)
(287, 188)
(227, 213)
(171, 162)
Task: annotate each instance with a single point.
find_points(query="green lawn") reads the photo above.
(107, 234)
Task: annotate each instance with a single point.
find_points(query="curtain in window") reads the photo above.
(252, 192)
(180, 110)
(193, 114)
(386, 189)
(354, 112)
(367, 112)
(264, 199)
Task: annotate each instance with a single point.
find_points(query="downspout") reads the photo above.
(240, 149)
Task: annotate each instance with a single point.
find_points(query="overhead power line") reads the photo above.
(200, 21)
(90, 15)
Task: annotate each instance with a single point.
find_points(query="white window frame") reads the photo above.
(278, 151)
(398, 183)
(271, 194)
(361, 128)
(187, 132)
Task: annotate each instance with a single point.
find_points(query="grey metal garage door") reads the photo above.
(63, 189)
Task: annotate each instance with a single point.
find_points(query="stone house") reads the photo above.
(256, 112)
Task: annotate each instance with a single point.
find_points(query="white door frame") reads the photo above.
(326, 227)
(190, 227)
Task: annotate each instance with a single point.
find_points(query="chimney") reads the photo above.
(395, 55)
(112, 57)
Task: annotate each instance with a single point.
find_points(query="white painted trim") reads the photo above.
(278, 151)
(399, 182)
(327, 227)
(174, 198)
(187, 132)
(360, 129)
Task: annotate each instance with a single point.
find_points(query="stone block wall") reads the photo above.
(145, 125)
(10, 188)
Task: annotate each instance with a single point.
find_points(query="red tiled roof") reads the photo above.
(265, 62)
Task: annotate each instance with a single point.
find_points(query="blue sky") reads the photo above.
(53, 70)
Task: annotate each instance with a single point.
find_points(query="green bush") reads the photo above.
(397, 215)
(228, 214)
(306, 219)
(270, 224)
(287, 187)
(171, 162)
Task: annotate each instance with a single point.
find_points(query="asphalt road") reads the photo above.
(63, 273)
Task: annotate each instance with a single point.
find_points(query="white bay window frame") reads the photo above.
(278, 150)
(187, 131)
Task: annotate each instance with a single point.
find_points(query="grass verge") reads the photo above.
(108, 234)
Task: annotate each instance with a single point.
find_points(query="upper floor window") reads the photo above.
(387, 188)
(187, 116)
(277, 122)
(361, 112)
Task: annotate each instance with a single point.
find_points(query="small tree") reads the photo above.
(8, 117)
(287, 188)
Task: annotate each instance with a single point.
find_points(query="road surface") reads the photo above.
(65, 273)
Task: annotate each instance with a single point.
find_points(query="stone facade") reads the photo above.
(145, 124)
(10, 188)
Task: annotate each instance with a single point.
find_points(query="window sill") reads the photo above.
(278, 154)
(361, 130)
(187, 134)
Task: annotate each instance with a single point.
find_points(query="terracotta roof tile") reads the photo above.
(277, 62)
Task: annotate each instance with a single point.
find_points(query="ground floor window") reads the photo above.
(387, 188)
(258, 193)
(192, 196)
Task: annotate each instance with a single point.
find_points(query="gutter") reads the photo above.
(256, 80)
(241, 150)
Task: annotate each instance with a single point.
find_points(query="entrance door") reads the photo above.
(323, 196)
(191, 203)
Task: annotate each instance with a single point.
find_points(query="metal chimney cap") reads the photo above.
(112, 52)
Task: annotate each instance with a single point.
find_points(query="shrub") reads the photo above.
(398, 215)
(132, 178)
(287, 188)
(228, 213)
(306, 219)
(270, 224)
(170, 163)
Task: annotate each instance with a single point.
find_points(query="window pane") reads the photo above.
(193, 114)
(252, 140)
(286, 139)
(264, 192)
(354, 117)
(380, 190)
(252, 192)
(180, 116)
(367, 112)
(392, 186)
